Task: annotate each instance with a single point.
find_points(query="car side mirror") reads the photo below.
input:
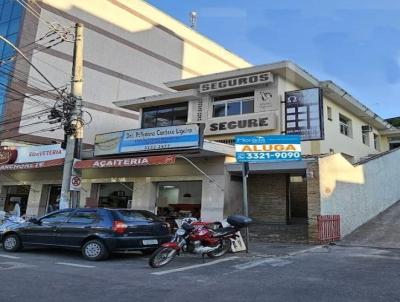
(34, 220)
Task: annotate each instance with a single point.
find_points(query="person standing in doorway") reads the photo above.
(16, 211)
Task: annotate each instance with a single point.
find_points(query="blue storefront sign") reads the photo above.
(148, 139)
(268, 148)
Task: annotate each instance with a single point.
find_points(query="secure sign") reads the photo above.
(268, 148)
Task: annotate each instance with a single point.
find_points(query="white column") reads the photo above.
(34, 199)
(85, 192)
(144, 194)
(212, 199)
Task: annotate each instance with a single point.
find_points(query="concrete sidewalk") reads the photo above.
(383, 231)
(265, 249)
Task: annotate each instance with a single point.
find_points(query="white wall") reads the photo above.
(358, 193)
(130, 50)
(339, 142)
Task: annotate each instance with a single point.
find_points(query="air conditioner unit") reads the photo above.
(366, 128)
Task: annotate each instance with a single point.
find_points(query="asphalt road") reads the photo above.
(273, 273)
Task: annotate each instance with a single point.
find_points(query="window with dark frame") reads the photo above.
(233, 104)
(365, 137)
(345, 125)
(376, 142)
(164, 116)
(329, 111)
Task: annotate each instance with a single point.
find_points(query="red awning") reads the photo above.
(38, 165)
(125, 162)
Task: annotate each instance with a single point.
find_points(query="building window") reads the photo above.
(376, 142)
(164, 116)
(234, 104)
(10, 23)
(365, 136)
(329, 111)
(345, 125)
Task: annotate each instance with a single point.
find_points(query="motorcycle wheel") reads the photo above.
(162, 256)
(222, 250)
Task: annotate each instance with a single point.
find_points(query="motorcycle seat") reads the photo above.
(223, 231)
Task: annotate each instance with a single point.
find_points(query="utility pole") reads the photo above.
(245, 174)
(74, 137)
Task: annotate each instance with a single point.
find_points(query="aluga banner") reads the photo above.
(268, 148)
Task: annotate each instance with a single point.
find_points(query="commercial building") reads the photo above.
(181, 160)
(272, 99)
(130, 49)
(185, 99)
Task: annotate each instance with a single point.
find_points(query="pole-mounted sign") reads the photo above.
(268, 148)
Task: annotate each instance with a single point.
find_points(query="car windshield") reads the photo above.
(134, 215)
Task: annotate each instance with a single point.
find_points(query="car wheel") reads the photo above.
(12, 243)
(95, 250)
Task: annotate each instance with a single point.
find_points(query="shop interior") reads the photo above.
(115, 195)
(179, 199)
(14, 195)
(53, 199)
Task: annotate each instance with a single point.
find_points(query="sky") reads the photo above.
(354, 43)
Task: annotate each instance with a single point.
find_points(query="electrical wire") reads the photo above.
(49, 34)
(14, 70)
(25, 125)
(38, 131)
(33, 66)
(12, 90)
(28, 96)
(26, 117)
(51, 25)
(24, 83)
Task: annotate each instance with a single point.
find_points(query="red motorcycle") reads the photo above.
(197, 238)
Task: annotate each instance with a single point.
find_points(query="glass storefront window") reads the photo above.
(180, 116)
(163, 116)
(149, 119)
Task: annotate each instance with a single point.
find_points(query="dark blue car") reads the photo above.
(96, 232)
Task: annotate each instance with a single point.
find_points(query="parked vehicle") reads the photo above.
(7, 221)
(196, 238)
(96, 232)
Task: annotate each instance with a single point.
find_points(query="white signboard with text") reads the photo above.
(148, 139)
(35, 154)
(241, 123)
(247, 80)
